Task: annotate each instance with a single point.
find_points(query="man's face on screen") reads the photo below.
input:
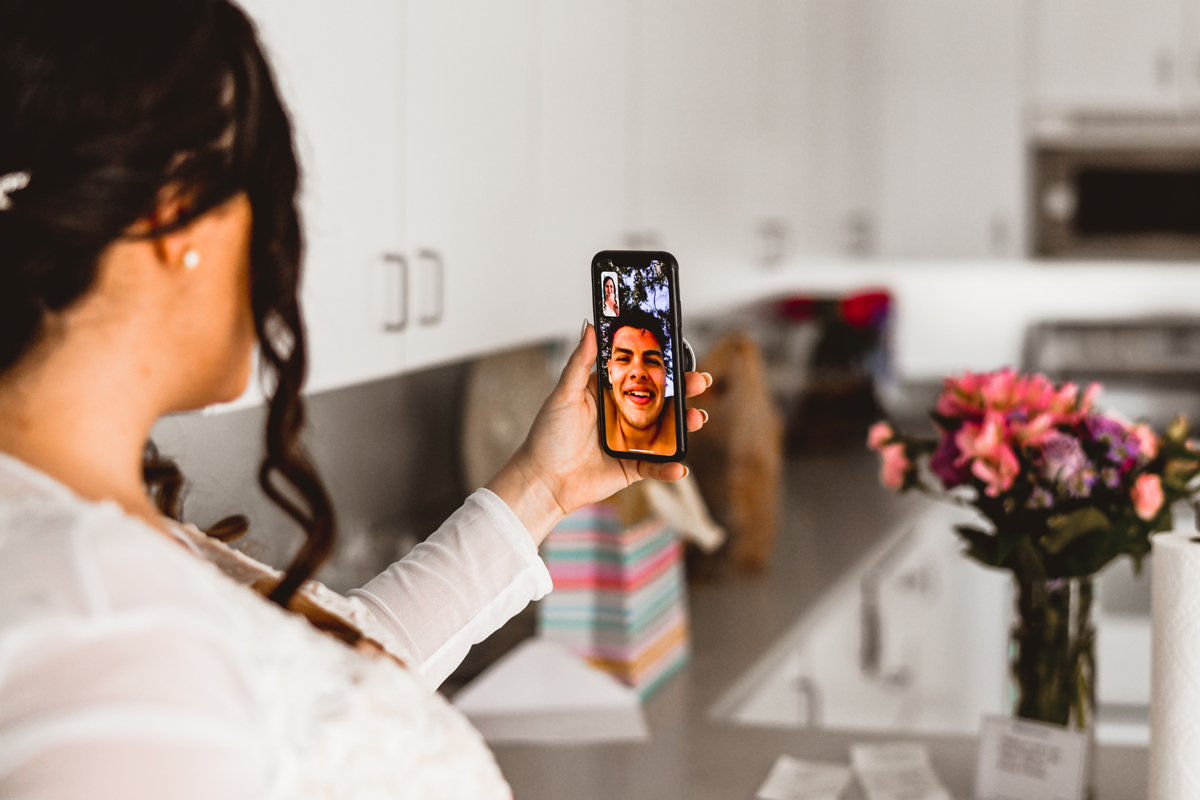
(638, 376)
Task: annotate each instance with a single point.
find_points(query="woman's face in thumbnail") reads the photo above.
(610, 291)
(638, 376)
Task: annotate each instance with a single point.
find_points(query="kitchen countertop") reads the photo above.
(834, 516)
(690, 757)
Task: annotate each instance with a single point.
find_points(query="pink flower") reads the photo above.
(982, 440)
(999, 473)
(880, 434)
(1035, 431)
(961, 396)
(994, 461)
(1147, 496)
(895, 466)
(1038, 394)
(1002, 389)
(1147, 440)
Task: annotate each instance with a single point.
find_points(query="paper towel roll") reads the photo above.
(1175, 681)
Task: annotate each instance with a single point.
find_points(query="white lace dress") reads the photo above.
(132, 668)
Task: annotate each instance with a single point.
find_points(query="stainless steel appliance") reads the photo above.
(1109, 187)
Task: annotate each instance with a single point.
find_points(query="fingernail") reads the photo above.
(707, 377)
(705, 413)
(583, 332)
(686, 470)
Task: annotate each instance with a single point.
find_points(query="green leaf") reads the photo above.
(982, 546)
(1178, 430)
(1066, 528)
(1165, 521)
(1027, 556)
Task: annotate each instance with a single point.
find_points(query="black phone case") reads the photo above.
(623, 258)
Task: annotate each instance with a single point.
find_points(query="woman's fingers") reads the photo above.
(579, 366)
(696, 417)
(669, 472)
(697, 382)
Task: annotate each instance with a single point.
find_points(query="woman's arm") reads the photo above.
(481, 567)
(456, 588)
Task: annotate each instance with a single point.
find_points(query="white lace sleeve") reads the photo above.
(455, 589)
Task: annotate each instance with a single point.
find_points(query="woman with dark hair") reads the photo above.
(149, 242)
(610, 308)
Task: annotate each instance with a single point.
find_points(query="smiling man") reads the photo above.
(638, 415)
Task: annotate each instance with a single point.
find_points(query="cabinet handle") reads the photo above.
(399, 322)
(432, 312)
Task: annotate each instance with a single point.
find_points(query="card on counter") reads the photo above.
(896, 771)
(1024, 760)
(793, 779)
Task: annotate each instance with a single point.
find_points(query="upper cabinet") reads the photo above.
(338, 67)
(948, 132)
(470, 154)
(583, 139)
(1113, 56)
(463, 160)
(694, 132)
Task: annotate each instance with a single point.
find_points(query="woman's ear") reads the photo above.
(176, 251)
(173, 250)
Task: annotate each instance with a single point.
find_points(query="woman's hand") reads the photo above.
(561, 465)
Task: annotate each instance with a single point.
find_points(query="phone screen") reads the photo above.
(639, 364)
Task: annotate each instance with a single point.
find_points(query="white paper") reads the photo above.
(896, 771)
(1175, 667)
(541, 692)
(793, 779)
(1024, 760)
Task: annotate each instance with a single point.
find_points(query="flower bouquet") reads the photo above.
(1066, 489)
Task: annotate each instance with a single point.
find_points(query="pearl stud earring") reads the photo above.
(191, 259)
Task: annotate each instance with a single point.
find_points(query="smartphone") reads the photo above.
(640, 361)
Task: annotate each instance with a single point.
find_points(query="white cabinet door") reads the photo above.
(581, 195)
(1189, 56)
(339, 71)
(951, 162)
(470, 82)
(696, 133)
(1113, 55)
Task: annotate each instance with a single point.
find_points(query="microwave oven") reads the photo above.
(1127, 189)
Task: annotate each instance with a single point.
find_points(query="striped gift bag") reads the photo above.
(619, 595)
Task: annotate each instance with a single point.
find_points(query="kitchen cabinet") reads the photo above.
(582, 180)
(950, 157)
(694, 121)
(1118, 55)
(338, 68)
(469, 154)
(463, 160)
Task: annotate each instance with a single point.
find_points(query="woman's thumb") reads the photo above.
(579, 366)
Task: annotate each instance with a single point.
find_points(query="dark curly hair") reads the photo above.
(110, 106)
(634, 318)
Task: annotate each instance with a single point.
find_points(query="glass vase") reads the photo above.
(1052, 657)
(1052, 652)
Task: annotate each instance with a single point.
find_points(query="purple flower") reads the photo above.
(944, 463)
(1040, 498)
(1105, 429)
(1080, 484)
(1062, 457)
(1064, 462)
(1111, 477)
(1124, 448)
